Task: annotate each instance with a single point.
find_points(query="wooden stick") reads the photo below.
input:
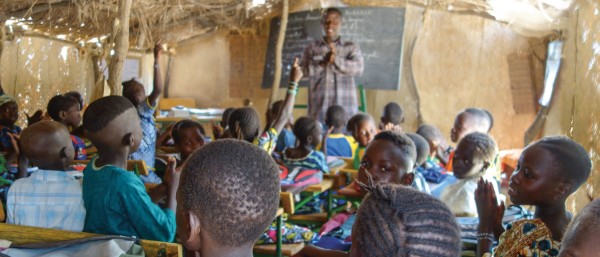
(278, 53)
(121, 34)
(98, 90)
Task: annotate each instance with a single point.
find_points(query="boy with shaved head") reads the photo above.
(115, 199)
(49, 198)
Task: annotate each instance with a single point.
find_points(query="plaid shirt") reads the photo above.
(49, 199)
(333, 84)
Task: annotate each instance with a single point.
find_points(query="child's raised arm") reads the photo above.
(288, 105)
(158, 83)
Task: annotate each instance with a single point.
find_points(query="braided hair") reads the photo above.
(395, 220)
(244, 124)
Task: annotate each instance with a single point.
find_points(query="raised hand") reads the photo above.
(392, 127)
(158, 48)
(296, 73)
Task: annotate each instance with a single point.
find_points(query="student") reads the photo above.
(66, 110)
(548, 172)
(473, 157)
(388, 159)
(135, 92)
(286, 138)
(78, 97)
(362, 127)
(49, 198)
(583, 234)
(336, 142)
(223, 213)
(438, 146)
(468, 121)
(394, 220)
(308, 133)
(115, 199)
(392, 117)
(221, 130)
(244, 123)
(9, 114)
(188, 136)
(422, 152)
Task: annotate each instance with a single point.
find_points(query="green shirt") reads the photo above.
(116, 203)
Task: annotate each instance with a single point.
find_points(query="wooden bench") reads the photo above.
(132, 165)
(290, 206)
(286, 249)
(26, 235)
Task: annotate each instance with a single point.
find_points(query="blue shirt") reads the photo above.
(117, 204)
(147, 148)
(314, 160)
(286, 139)
(48, 199)
(340, 145)
(5, 138)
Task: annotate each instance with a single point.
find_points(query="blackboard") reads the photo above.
(378, 32)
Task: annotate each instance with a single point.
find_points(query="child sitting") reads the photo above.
(473, 156)
(468, 121)
(308, 133)
(49, 198)
(422, 152)
(244, 123)
(548, 172)
(581, 237)
(135, 92)
(336, 143)
(394, 220)
(66, 110)
(188, 136)
(438, 146)
(115, 199)
(9, 114)
(392, 117)
(221, 130)
(388, 159)
(362, 127)
(223, 213)
(286, 138)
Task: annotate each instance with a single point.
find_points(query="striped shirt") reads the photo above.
(333, 84)
(48, 199)
(314, 160)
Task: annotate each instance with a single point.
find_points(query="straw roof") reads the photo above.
(176, 20)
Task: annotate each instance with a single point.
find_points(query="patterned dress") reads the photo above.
(526, 238)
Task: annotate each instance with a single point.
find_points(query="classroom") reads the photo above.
(300, 128)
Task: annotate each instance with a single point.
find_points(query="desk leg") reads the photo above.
(279, 236)
(329, 203)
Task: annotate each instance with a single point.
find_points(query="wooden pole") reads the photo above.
(278, 53)
(98, 90)
(121, 34)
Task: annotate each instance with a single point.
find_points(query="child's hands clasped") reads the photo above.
(490, 213)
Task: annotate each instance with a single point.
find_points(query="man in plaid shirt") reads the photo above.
(331, 65)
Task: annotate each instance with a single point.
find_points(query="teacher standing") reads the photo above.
(331, 65)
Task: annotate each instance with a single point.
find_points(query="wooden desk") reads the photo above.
(26, 235)
(132, 165)
(310, 193)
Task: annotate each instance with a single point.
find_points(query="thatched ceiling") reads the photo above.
(175, 20)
